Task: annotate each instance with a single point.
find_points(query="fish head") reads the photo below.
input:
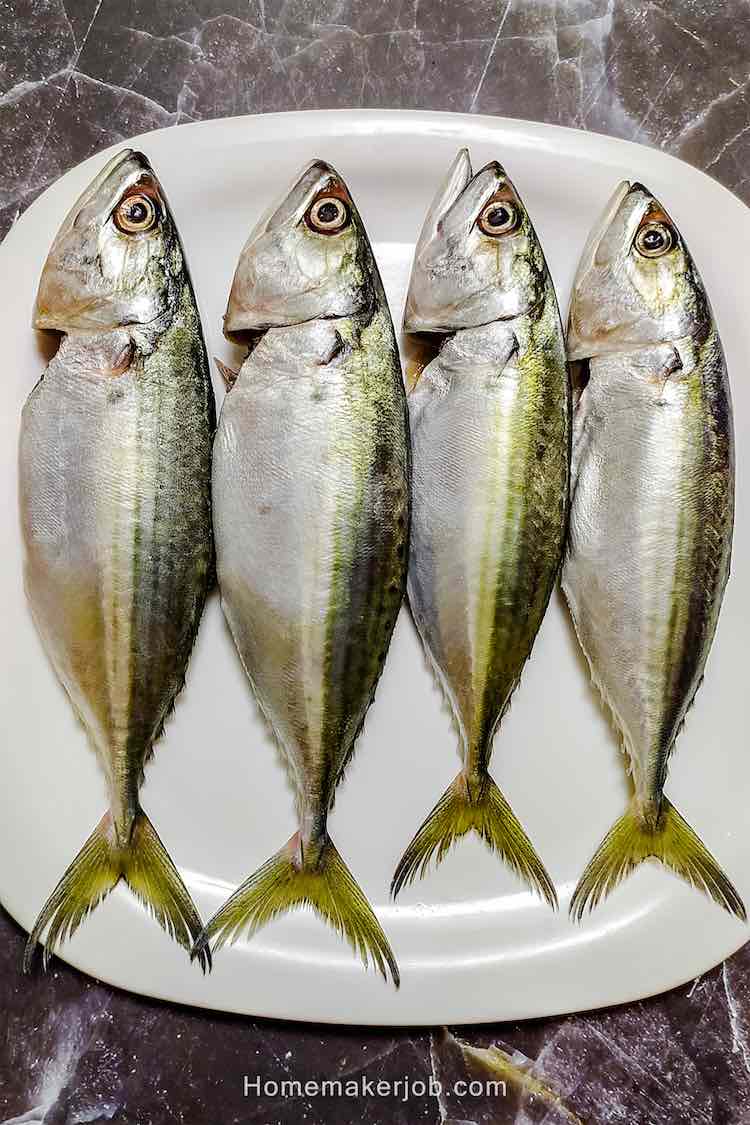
(636, 284)
(116, 260)
(477, 259)
(306, 259)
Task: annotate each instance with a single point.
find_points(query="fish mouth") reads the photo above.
(248, 326)
(245, 337)
(416, 326)
(590, 257)
(241, 331)
(295, 201)
(599, 229)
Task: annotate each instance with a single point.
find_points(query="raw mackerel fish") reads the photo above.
(490, 422)
(115, 472)
(311, 494)
(651, 519)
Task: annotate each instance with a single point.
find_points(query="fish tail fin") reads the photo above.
(291, 878)
(671, 840)
(146, 867)
(478, 806)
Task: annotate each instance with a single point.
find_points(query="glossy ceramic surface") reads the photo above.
(472, 944)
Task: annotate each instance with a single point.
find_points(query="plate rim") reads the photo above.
(349, 122)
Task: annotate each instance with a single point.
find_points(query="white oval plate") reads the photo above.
(471, 943)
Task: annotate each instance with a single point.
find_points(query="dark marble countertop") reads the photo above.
(78, 75)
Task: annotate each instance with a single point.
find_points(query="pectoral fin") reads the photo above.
(228, 375)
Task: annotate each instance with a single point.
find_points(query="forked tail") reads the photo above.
(671, 840)
(478, 806)
(145, 866)
(292, 878)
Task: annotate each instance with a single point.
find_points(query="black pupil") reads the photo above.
(498, 217)
(328, 213)
(654, 240)
(137, 212)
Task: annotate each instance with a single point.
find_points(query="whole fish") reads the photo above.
(311, 494)
(652, 515)
(490, 422)
(115, 473)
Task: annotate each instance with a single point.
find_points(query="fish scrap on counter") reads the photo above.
(311, 507)
(651, 519)
(115, 472)
(490, 424)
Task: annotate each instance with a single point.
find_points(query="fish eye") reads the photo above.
(135, 214)
(654, 239)
(498, 217)
(328, 215)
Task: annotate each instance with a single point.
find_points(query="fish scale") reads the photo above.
(651, 521)
(490, 421)
(311, 493)
(116, 436)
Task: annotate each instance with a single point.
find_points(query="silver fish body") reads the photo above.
(650, 539)
(652, 513)
(115, 455)
(490, 490)
(490, 422)
(311, 494)
(116, 519)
